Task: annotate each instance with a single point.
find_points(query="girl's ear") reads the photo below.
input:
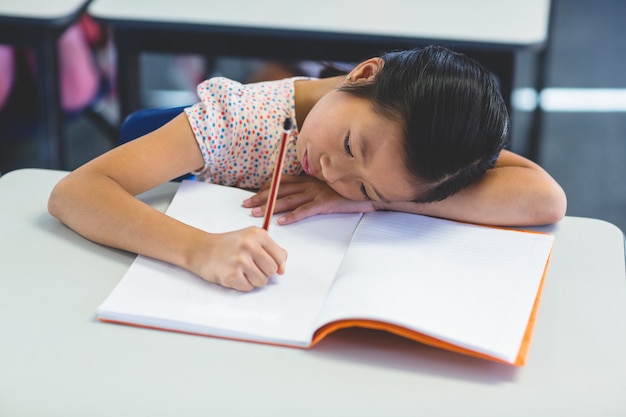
(366, 70)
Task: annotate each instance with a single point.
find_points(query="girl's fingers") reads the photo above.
(289, 184)
(300, 213)
(287, 200)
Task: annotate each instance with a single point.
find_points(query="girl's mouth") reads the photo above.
(305, 164)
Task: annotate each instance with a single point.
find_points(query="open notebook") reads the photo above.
(462, 287)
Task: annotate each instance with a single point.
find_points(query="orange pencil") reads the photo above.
(278, 169)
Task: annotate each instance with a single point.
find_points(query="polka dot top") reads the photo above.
(238, 128)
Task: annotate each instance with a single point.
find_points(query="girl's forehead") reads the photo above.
(382, 126)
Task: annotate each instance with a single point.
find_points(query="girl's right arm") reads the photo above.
(98, 201)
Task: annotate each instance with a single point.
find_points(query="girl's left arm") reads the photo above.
(516, 192)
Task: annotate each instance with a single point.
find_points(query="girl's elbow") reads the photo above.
(57, 200)
(561, 209)
(553, 207)
(54, 206)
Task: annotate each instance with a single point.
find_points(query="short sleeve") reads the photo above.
(238, 128)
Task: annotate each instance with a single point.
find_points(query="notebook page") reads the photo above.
(157, 294)
(469, 285)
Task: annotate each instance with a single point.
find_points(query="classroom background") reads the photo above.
(583, 138)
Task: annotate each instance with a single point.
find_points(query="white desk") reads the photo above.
(492, 31)
(39, 24)
(57, 360)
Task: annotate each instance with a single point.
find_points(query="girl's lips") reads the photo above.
(305, 164)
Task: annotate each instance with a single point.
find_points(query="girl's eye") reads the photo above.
(348, 148)
(346, 145)
(364, 192)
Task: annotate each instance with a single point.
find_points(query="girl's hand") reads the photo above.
(305, 196)
(242, 260)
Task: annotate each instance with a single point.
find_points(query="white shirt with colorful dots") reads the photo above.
(238, 128)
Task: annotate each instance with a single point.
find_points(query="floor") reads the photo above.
(584, 150)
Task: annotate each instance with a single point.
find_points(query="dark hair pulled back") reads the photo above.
(454, 119)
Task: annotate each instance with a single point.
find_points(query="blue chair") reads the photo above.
(145, 121)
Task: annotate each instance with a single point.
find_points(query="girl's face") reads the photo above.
(344, 143)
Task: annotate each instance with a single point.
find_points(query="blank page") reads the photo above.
(157, 294)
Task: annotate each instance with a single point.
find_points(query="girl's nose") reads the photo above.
(330, 170)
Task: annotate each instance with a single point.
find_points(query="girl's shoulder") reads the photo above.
(217, 86)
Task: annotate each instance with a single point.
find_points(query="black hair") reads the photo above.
(454, 119)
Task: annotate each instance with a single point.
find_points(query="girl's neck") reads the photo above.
(308, 92)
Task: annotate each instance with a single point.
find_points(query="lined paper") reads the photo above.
(461, 283)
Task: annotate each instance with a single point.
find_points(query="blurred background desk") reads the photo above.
(39, 24)
(491, 31)
(56, 359)
(583, 149)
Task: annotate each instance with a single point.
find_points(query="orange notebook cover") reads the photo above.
(465, 288)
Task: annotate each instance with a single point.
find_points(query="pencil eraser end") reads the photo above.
(287, 124)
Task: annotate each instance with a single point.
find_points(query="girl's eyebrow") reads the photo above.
(363, 143)
(363, 149)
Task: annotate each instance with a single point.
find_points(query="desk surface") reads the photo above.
(484, 21)
(56, 359)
